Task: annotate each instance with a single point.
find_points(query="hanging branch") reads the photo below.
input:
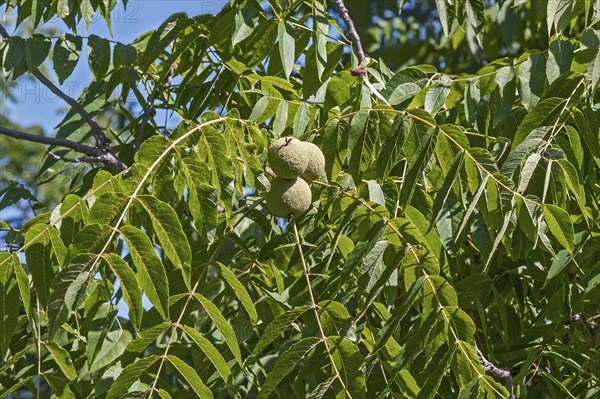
(95, 154)
(102, 150)
(345, 15)
(497, 372)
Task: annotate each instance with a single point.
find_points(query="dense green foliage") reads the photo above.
(460, 208)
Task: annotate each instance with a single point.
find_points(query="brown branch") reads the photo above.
(101, 140)
(73, 160)
(497, 372)
(96, 154)
(102, 151)
(345, 15)
(149, 111)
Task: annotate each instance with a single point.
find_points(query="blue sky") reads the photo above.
(37, 106)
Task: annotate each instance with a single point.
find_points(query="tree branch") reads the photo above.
(96, 154)
(497, 372)
(102, 152)
(74, 160)
(345, 15)
(101, 140)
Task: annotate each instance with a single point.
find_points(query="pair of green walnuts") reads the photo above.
(294, 163)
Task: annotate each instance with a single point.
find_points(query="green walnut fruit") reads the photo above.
(288, 197)
(287, 157)
(316, 162)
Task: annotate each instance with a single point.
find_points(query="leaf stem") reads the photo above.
(314, 307)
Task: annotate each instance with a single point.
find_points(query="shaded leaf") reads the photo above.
(560, 225)
(151, 273)
(129, 286)
(222, 325)
(169, 231)
(129, 375)
(63, 360)
(190, 376)
(286, 363)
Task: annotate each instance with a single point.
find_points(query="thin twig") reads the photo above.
(496, 371)
(73, 160)
(345, 15)
(148, 111)
(97, 154)
(315, 308)
(102, 142)
(101, 139)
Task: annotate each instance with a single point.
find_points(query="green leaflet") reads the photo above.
(102, 316)
(67, 288)
(151, 273)
(222, 325)
(532, 77)
(275, 328)
(162, 36)
(129, 286)
(389, 328)
(36, 51)
(390, 152)
(129, 375)
(287, 47)
(114, 345)
(75, 215)
(336, 320)
(59, 386)
(9, 299)
(92, 239)
(322, 28)
(211, 353)
(286, 363)
(446, 13)
(239, 290)
(417, 164)
(45, 252)
(109, 209)
(560, 225)
(212, 148)
(429, 389)
(335, 143)
(98, 56)
(63, 360)
(348, 360)
(245, 20)
(362, 144)
(169, 231)
(190, 376)
(534, 139)
(146, 337)
(202, 198)
(546, 113)
(437, 293)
